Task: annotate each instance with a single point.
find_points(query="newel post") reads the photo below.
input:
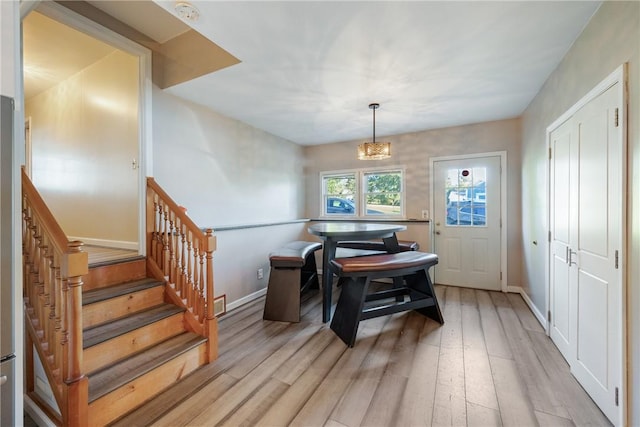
(211, 324)
(75, 264)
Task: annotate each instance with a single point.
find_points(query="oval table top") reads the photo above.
(353, 230)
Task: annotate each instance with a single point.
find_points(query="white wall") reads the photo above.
(84, 138)
(413, 151)
(227, 173)
(611, 38)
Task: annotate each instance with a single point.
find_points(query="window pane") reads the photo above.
(383, 193)
(466, 197)
(339, 194)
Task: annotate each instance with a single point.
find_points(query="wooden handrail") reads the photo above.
(52, 275)
(182, 253)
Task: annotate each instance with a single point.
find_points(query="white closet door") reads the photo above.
(586, 171)
(563, 172)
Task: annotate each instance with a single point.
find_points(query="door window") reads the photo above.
(466, 197)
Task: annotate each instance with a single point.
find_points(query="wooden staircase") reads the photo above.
(135, 344)
(113, 335)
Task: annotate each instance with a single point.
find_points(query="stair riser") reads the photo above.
(113, 405)
(101, 277)
(114, 308)
(107, 352)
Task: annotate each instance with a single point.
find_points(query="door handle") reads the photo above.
(3, 380)
(437, 232)
(571, 254)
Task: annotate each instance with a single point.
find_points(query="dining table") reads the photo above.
(333, 232)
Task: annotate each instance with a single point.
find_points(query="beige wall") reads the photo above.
(413, 151)
(84, 138)
(611, 38)
(227, 173)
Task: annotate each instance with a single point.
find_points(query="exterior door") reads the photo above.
(586, 243)
(466, 204)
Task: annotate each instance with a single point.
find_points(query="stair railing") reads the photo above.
(182, 253)
(52, 275)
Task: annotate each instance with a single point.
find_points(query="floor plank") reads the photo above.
(543, 395)
(449, 407)
(356, 399)
(479, 388)
(486, 366)
(515, 407)
(528, 320)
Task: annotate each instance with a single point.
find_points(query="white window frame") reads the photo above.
(359, 198)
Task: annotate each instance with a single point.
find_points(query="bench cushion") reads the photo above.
(384, 262)
(293, 254)
(378, 245)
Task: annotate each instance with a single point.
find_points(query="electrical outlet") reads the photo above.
(260, 274)
(425, 214)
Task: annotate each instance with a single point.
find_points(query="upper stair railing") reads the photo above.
(53, 270)
(182, 253)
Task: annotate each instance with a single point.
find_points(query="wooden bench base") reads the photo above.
(293, 271)
(412, 289)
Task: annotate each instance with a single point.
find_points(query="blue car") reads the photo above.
(340, 206)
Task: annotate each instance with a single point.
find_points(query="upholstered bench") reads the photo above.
(293, 271)
(409, 271)
(379, 245)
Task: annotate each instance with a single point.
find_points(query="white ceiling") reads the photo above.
(310, 69)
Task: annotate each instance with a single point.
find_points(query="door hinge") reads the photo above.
(549, 153)
(549, 237)
(616, 119)
(617, 258)
(501, 275)
(549, 316)
(617, 399)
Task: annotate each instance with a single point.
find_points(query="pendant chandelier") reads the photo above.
(374, 150)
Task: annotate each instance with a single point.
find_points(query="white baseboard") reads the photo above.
(539, 316)
(118, 244)
(36, 413)
(244, 300)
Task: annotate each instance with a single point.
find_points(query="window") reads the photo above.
(339, 194)
(466, 197)
(363, 193)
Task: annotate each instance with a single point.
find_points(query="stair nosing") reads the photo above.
(170, 310)
(192, 340)
(119, 290)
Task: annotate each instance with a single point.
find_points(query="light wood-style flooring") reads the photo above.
(490, 364)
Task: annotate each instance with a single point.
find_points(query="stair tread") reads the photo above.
(119, 374)
(101, 333)
(102, 294)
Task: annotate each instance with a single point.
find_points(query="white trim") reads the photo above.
(525, 296)
(246, 299)
(618, 76)
(145, 125)
(35, 413)
(503, 203)
(116, 244)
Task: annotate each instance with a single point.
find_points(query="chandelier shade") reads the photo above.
(373, 150)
